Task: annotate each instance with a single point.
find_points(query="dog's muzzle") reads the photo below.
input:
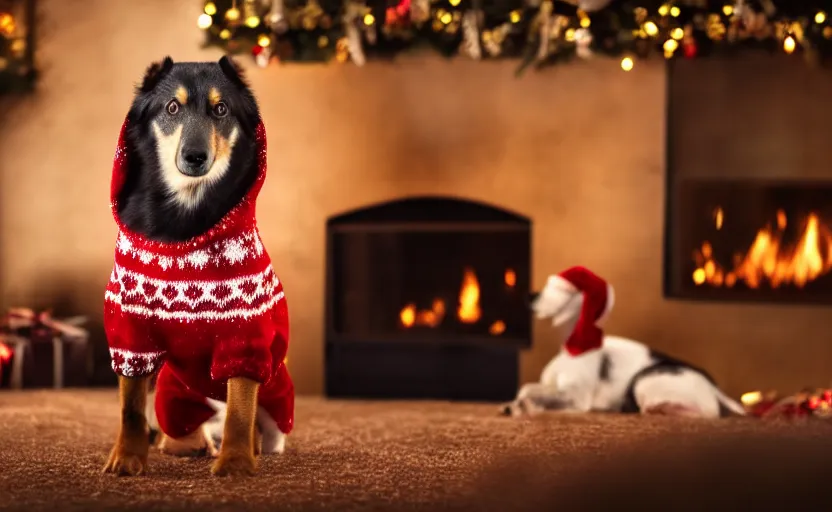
(193, 162)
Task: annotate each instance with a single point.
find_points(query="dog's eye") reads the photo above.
(173, 107)
(220, 109)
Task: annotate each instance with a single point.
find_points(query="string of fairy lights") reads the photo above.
(15, 68)
(538, 32)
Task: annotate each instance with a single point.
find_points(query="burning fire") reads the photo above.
(468, 312)
(410, 316)
(770, 259)
(510, 278)
(469, 298)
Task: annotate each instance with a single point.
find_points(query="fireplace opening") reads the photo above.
(427, 298)
(756, 241)
(747, 211)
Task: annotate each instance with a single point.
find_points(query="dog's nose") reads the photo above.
(196, 158)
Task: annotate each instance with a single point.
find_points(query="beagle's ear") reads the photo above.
(154, 74)
(233, 71)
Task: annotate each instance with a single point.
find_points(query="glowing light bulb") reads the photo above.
(585, 22)
(369, 19)
(252, 21)
(454, 3)
(677, 33)
(728, 10)
(264, 40)
(514, 16)
(210, 8)
(570, 34)
(663, 10)
(789, 44)
(627, 63)
(820, 17)
(225, 34)
(675, 11)
(204, 21)
(670, 45)
(232, 14)
(651, 29)
(446, 18)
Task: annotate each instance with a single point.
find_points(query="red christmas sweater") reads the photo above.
(209, 309)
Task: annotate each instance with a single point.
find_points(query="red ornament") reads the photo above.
(257, 50)
(689, 49)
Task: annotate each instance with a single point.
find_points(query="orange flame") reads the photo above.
(469, 311)
(771, 260)
(510, 278)
(497, 328)
(410, 316)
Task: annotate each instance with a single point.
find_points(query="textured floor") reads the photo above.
(407, 455)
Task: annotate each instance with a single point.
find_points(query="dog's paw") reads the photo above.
(274, 442)
(234, 464)
(125, 463)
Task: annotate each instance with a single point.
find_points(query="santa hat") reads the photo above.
(598, 299)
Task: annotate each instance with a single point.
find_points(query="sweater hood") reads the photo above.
(241, 214)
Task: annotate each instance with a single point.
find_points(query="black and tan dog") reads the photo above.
(193, 296)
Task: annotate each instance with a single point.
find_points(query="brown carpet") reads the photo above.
(409, 455)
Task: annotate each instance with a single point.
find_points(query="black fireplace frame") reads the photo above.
(490, 364)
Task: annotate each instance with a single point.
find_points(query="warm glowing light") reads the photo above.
(469, 311)
(670, 46)
(204, 21)
(570, 34)
(446, 18)
(675, 11)
(651, 29)
(252, 21)
(728, 10)
(454, 3)
(663, 10)
(497, 328)
(5, 353)
(719, 217)
(407, 316)
(514, 16)
(789, 44)
(210, 8)
(770, 259)
(225, 34)
(585, 22)
(264, 40)
(410, 316)
(232, 14)
(677, 33)
(510, 278)
(751, 398)
(627, 63)
(7, 24)
(820, 17)
(369, 19)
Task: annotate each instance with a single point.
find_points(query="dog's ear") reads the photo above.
(233, 71)
(154, 74)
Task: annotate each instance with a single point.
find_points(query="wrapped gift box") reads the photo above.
(47, 352)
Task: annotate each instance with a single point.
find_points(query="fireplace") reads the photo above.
(427, 297)
(748, 215)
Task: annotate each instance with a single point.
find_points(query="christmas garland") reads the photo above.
(537, 32)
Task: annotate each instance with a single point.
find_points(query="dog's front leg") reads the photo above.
(129, 455)
(237, 452)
